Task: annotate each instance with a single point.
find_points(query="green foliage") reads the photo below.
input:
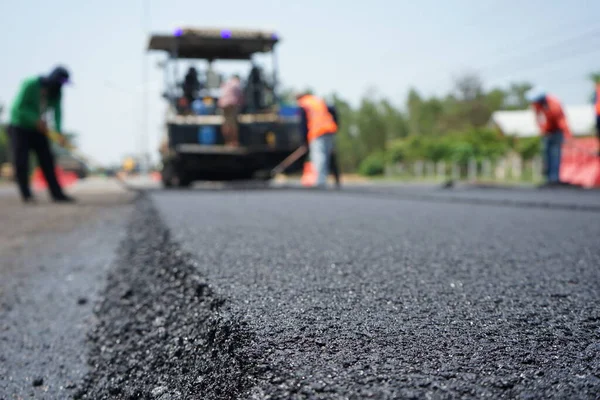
(528, 148)
(515, 99)
(595, 78)
(397, 151)
(460, 147)
(349, 149)
(452, 128)
(462, 152)
(416, 147)
(373, 165)
(371, 124)
(286, 96)
(486, 143)
(438, 150)
(4, 145)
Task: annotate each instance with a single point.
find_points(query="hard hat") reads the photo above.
(535, 94)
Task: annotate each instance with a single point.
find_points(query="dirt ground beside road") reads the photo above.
(20, 222)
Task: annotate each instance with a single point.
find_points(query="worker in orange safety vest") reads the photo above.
(554, 128)
(320, 127)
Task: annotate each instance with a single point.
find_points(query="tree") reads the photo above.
(286, 95)
(468, 87)
(496, 99)
(595, 77)
(348, 147)
(395, 121)
(4, 145)
(516, 99)
(472, 100)
(371, 126)
(448, 127)
(414, 105)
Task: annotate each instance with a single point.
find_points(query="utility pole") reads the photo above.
(145, 27)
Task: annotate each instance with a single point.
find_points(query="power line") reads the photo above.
(563, 50)
(558, 28)
(544, 63)
(145, 23)
(543, 50)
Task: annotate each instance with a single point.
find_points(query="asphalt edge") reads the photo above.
(163, 342)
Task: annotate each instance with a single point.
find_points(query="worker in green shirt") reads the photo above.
(28, 129)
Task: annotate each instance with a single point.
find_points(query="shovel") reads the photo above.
(289, 160)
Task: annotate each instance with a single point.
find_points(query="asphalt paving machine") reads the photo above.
(193, 146)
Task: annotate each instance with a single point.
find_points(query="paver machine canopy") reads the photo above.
(212, 45)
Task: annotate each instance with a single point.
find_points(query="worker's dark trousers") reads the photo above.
(552, 143)
(23, 141)
(333, 164)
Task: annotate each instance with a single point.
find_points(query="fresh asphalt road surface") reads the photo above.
(520, 196)
(375, 291)
(371, 292)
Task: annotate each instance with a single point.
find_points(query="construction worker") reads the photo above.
(335, 171)
(553, 124)
(28, 130)
(319, 127)
(191, 85)
(231, 102)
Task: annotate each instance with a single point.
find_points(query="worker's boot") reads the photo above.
(63, 199)
(29, 200)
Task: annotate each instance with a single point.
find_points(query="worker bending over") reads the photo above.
(333, 164)
(28, 129)
(319, 128)
(554, 127)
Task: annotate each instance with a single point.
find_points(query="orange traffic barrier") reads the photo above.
(156, 176)
(580, 164)
(309, 175)
(65, 178)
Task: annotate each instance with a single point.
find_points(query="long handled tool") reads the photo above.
(59, 139)
(289, 160)
(56, 137)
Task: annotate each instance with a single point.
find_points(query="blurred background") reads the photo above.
(422, 88)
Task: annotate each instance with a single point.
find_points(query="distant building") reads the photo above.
(581, 119)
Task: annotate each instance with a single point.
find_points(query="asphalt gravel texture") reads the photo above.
(362, 293)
